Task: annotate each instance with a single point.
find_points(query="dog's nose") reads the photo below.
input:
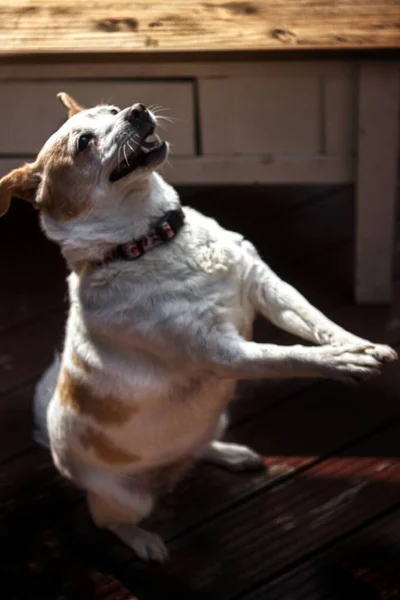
(138, 112)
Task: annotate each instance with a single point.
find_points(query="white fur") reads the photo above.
(171, 334)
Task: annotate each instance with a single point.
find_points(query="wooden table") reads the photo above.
(273, 91)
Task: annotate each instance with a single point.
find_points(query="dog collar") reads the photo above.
(166, 229)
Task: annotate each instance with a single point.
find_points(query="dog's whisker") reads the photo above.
(160, 109)
(154, 107)
(125, 156)
(162, 118)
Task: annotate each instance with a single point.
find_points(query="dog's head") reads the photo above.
(90, 163)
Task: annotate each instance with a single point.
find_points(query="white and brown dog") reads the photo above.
(162, 302)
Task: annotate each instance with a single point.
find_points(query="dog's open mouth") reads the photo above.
(151, 151)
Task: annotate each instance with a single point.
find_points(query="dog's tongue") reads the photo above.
(151, 142)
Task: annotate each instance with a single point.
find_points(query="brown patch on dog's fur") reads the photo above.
(65, 192)
(19, 183)
(80, 363)
(78, 396)
(105, 449)
(66, 189)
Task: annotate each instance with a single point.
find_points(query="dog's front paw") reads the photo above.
(381, 352)
(351, 363)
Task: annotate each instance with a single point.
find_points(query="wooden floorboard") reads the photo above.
(365, 566)
(331, 449)
(271, 532)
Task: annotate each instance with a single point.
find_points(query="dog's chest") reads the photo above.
(172, 298)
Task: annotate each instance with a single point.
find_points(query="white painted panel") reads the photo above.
(340, 115)
(217, 116)
(30, 111)
(279, 115)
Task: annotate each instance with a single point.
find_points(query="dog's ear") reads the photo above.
(69, 103)
(20, 183)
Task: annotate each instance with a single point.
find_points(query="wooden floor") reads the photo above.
(324, 523)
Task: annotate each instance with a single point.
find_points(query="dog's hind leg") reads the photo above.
(118, 508)
(234, 457)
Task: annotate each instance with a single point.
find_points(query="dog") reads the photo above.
(162, 303)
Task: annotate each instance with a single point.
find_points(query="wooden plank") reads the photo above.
(273, 530)
(378, 144)
(367, 565)
(57, 26)
(24, 130)
(266, 115)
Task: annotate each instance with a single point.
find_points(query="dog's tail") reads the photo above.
(43, 393)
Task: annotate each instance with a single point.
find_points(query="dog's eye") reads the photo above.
(114, 111)
(84, 141)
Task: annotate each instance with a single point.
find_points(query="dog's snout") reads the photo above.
(138, 112)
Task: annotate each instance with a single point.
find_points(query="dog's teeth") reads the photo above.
(151, 141)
